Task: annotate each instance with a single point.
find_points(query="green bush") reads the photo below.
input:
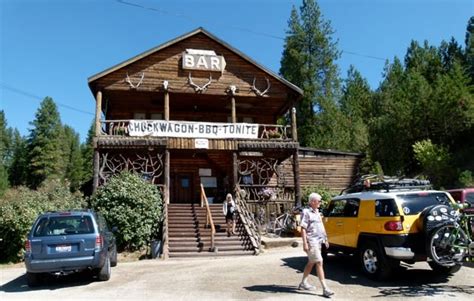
(466, 179)
(133, 206)
(325, 193)
(20, 206)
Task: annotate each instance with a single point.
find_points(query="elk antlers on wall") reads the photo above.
(134, 86)
(257, 91)
(196, 87)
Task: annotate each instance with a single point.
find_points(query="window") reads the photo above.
(336, 208)
(414, 203)
(470, 197)
(64, 225)
(352, 208)
(386, 208)
(247, 119)
(139, 116)
(156, 116)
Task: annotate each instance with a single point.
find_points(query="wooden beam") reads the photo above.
(294, 132)
(235, 168)
(98, 110)
(167, 106)
(95, 178)
(167, 177)
(234, 115)
(296, 175)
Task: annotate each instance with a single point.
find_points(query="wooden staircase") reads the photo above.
(188, 235)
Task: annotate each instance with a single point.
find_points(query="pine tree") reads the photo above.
(46, 145)
(74, 160)
(17, 173)
(309, 62)
(5, 141)
(356, 105)
(470, 47)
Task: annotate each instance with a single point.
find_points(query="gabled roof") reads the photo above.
(183, 37)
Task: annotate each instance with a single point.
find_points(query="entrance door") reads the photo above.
(182, 188)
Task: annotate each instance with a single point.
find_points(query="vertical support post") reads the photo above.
(234, 114)
(98, 110)
(167, 177)
(95, 177)
(167, 106)
(294, 133)
(235, 168)
(296, 175)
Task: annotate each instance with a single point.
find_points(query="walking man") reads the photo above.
(314, 235)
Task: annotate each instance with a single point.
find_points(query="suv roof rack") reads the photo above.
(379, 183)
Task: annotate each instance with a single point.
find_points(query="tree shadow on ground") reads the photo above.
(406, 281)
(48, 282)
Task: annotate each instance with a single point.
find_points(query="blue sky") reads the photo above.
(51, 47)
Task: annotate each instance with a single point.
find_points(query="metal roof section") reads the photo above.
(183, 37)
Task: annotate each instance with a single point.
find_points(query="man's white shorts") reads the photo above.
(314, 253)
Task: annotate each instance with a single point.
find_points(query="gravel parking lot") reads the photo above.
(273, 275)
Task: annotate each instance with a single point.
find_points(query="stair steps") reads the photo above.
(188, 235)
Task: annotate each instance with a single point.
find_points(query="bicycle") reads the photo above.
(284, 223)
(451, 242)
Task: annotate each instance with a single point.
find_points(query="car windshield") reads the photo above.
(415, 203)
(63, 225)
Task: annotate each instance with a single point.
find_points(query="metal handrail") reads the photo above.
(209, 219)
(248, 220)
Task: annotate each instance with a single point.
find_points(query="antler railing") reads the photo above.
(248, 220)
(209, 220)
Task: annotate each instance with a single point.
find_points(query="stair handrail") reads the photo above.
(209, 219)
(165, 231)
(248, 220)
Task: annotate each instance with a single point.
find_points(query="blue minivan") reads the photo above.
(66, 242)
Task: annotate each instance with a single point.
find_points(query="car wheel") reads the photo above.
(105, 270)
(444, 270)
(374, 263)
(113, 260)
(33, 279)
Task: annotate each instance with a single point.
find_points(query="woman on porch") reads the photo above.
(228, 208)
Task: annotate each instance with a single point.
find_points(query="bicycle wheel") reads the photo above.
(448, 245)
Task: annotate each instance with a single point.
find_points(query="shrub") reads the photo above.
(132, 205)
(465, 179)
(19, 208)
(325, 193)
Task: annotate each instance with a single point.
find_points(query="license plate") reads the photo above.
(63, 248)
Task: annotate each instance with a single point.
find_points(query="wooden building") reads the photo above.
(195, 111)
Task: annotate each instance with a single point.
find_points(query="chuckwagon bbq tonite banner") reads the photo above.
(186, 129)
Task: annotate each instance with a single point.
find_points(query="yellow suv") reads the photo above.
(385, 223)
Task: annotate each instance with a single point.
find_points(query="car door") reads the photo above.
(350, 221)
(334, 222)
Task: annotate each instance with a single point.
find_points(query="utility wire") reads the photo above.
(30, 95)
(178, 15)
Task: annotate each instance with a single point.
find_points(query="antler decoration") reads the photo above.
(196, 87)
(257, 91)
(129, 81)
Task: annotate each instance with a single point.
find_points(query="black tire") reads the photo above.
(443, 269)
(113, 259)
(373, 261)
(436, 215)
(447, 246)
(104, 272)
(33, 279)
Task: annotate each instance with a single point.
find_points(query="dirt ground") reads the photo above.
(273, 275)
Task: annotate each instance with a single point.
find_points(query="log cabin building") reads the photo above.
(199, 119)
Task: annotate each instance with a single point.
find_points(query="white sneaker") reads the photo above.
(306, 286)
(327, 292)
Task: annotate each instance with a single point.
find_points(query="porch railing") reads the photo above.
(265, 131)
(248, 220)
(209, 220)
